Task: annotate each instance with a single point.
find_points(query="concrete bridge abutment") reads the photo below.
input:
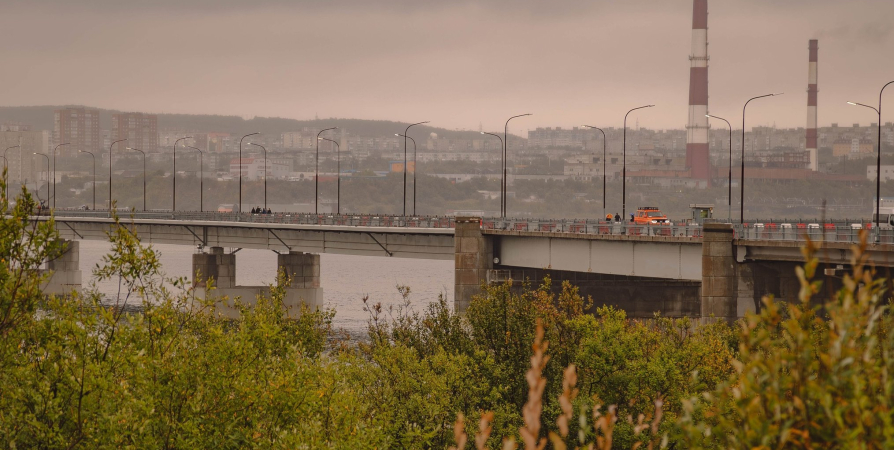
(303, 270)
(474, 258)
(65, 270)
(719, 274)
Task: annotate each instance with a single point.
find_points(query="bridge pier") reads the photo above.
(302, 268)
(65, 271)
(474, 257)
(720, 272)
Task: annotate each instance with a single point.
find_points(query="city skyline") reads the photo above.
(257, 61)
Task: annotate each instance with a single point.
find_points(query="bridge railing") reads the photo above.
(830, 231)
(795, 230)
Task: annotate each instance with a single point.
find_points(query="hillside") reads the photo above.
(41, 118)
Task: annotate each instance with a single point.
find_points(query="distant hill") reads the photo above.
(41, 118)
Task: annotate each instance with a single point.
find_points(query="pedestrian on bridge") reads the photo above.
(617, 217)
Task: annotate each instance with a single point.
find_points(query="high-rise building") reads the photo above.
(697, 157)
(140, 130)
(24, 165)
(79, 127)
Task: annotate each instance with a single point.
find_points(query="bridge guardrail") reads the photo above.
(829, 231)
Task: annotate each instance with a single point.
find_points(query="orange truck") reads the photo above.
(649, 215)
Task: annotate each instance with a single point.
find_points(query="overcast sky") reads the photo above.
(456, 63)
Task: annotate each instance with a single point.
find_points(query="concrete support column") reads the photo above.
(303, 268)
(65, 271)
(215, 264)
(719, 274)
(474, 254)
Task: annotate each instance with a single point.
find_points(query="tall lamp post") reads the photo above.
(604, 157)
(201, 180)
(6, 192)
(729, 200)
(504, 196)
(406, 132)
(174, 197)
(415, 167)
(317, 172)
(48, 176)
(110, 170)
(501, 169)
(742, 173)
(6, 158)
(624, 166)
(94, 175)
(240, 168)
(54, 173)
(144, 174)
(878, 160)
(265, 171)
(338, 177)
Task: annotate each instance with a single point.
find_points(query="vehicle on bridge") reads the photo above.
(646, 215)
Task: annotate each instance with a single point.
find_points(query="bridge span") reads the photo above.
(716, 270)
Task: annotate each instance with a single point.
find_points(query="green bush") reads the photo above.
(523, 363)
(807, 376)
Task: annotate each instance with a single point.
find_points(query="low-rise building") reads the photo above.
(853, 148)
(253, 168)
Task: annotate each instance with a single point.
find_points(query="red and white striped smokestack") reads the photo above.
(811, 103)
(697, 158)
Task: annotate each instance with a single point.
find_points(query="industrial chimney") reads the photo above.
(697, 158)
(813, 47)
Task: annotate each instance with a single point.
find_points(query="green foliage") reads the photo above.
(807, 377)
(24, 246)
(81, 371)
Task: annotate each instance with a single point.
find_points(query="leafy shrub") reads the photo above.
(807, 377)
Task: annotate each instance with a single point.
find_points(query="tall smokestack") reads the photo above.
(697, 131)
(811, 103)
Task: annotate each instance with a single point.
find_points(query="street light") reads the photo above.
(5, 169)
(174, 197)
(201, 180)
(48, 176)
(415, 167)
(5, 158)
(317, 172)
(604, 157)
(730, 182)
(624, 166)
(110, 170)
(338, 171)
(504, 197)
(501, 157)
(405, 166)
(742, 174)
(878, 160)
(144, 174)
(265, 171)
(240, 168)
(94, 175)
(54, 173)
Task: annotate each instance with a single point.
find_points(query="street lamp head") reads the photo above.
(778, 93)
(851, 103)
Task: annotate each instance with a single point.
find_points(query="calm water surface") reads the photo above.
(345, 279)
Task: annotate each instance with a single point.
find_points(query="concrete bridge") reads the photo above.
(715, 270)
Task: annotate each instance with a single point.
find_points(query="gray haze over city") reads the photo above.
(459, 64)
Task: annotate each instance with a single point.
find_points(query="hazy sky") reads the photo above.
(456, 63)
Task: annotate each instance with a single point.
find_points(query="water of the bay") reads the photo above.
(345, 279)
